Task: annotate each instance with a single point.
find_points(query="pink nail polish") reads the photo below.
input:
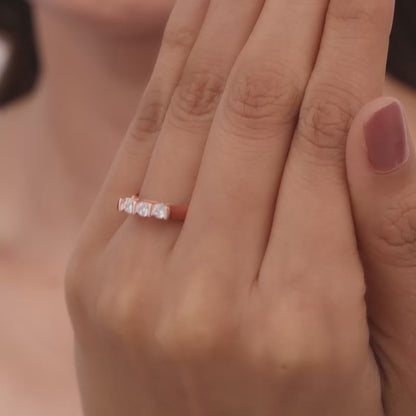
(386, 138)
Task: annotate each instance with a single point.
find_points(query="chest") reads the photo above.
(37, 375)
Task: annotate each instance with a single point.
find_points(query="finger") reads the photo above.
(177, 154)
(381, 168)
(127, 173)
(234, 196)
(313, 204)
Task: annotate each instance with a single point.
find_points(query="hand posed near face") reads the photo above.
(255, 304)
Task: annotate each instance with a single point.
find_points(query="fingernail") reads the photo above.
(386, 138)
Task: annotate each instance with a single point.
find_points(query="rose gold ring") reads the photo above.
(147, 209)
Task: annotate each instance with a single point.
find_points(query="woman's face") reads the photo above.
(128, 15)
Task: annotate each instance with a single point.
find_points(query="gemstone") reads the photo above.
(160, 211)
(129, 206)
(121, 204)
(144, 209)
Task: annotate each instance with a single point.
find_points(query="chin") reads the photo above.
(129, 16)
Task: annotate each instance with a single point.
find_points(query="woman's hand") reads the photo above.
(255, 304)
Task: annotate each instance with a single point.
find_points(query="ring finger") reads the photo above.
(129, 167)
(177, 154)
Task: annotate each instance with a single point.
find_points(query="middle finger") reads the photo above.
(233, 202)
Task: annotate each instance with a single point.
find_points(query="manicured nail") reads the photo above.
(386, 138)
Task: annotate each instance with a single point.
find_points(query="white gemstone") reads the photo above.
(160, 211)
(144, 209)
(129, 206)
(121, 204)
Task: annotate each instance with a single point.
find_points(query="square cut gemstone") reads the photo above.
(144, 209)
(129, 206)
(160, 211)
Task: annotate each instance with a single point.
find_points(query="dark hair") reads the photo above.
(21, 74)
(402, 53)
(22, 70)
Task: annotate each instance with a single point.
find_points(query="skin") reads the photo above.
(42, 142)
(106, 340)
(120, 18)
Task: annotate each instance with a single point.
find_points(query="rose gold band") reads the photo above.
(146, 209)
(178, 212)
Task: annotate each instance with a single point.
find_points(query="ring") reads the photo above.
(147, 209)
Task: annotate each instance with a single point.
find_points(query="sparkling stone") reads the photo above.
(160, 211)
(144, 209)
(121, 204)
(129, 206)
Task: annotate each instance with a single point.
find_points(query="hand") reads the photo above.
(255, 304)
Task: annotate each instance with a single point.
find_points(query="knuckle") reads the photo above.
(192, 332)
(373, 13)
(196, 96)
(397, 231)
(116, 315)
(263, 97)
(297, 283)
(291, 360)
(293, 353)
(178, 38)
(324, 123)
(188, 338)
(149, 117)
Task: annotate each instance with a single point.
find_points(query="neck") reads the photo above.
(70, 127)
(89, 89)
